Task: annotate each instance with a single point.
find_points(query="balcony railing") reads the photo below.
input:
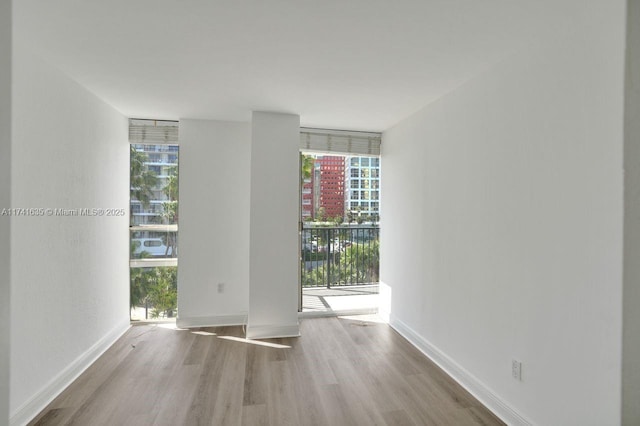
(340, 255)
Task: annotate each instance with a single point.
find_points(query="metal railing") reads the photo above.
(339, 255)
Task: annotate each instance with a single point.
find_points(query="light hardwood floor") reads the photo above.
(339, 372)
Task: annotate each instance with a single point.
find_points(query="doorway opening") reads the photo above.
(339, 234)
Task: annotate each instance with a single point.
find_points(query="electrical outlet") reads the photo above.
(516, 369)
(220, 287)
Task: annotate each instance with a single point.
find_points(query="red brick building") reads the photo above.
(331, 185)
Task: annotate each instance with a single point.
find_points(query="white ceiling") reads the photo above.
(347, 64)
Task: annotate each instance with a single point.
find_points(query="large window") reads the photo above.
(330, 184)
(154, 219)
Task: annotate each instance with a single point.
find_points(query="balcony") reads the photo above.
(340, 268)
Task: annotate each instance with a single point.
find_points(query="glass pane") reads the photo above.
(154, 292)
(153, 231)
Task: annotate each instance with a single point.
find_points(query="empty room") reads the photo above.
(191, 191)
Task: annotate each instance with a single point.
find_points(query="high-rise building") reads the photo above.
(362, 186)
(331, 194)
(160, 160)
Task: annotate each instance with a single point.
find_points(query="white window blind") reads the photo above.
(153, 132)
(340, 142)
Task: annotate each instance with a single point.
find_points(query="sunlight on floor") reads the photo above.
(254, 342)
(371, 318)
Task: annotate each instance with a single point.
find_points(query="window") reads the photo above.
(364, 161)
(153, 222)
(364, 173)
(354, 184)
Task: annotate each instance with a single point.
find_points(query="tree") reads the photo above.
(163, 293)
(307, 166)
(321, 214)
(170, 209)
(349, 216)
(142, 180)
(366, 259)
(142, 280)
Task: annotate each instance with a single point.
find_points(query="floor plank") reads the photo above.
(339, 372)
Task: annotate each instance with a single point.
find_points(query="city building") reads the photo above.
(331, 185)
(307, 199)
(362, 187)
(162, 161)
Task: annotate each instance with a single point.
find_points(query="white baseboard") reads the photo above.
(273, 331)
(211, 320)
(51, 390)
(474, 386)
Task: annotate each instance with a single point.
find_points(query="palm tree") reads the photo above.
(142, 180)
(307, 166)
(170, 209)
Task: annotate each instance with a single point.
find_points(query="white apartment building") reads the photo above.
(362, 186)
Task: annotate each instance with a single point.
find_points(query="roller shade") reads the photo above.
(340, 142)
(153, 132)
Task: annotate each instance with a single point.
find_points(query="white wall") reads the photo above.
(631, 342)
(69, 275)
(5, 201)
(215, 159)
(502, 227)
(273, 294)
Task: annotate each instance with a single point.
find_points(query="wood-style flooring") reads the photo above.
(339, 372)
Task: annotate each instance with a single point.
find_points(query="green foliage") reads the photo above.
(367, 258)
(138, 287)
(350, 216)
(163, 294)
(307, 166)
(359, 263)
(156, 286)
(321, 214)
(142, 180)
(171, 188)
(170, 210)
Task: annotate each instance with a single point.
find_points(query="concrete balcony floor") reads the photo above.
(343, 300)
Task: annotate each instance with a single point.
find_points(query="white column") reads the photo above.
(631, 297)
(5, 199)
(213, 271)
(273, 270)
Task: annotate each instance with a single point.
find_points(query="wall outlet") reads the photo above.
(220, 287)
(516, 369)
